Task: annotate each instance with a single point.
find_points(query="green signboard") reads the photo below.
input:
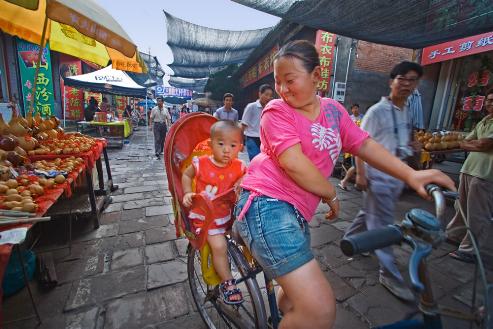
(28, 59)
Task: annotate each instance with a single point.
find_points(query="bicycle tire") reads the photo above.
(214, 313)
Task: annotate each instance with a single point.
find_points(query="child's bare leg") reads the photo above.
(219, 247)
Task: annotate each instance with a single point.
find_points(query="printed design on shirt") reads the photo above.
(210, 191)
(326, 139)
(333, 115)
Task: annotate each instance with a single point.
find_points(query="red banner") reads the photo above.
(265, 64)
(262, 68)
(325, 44)
(457, 48)
(73, 97)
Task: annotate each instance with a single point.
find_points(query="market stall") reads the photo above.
(110, 81)
(437, 145)
(41, 169)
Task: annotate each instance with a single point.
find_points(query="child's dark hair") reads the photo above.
(225, 125)
(404, 67)
(303, 50)
(355, 105)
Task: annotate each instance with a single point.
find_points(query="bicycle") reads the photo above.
(423, 232)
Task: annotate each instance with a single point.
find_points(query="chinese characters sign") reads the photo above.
(473, 103)
(265, 64)
(458, 48)
(325, 44)
(28, 58)
(73, 98)
(172, 91)
(262, 68)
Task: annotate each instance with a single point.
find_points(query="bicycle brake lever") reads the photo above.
(420, 251)
(451, 195)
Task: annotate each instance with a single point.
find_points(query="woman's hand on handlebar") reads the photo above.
(419, 179)
(188, 198)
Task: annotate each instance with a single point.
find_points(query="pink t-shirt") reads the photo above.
(281, 127)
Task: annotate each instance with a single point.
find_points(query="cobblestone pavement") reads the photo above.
(131, 272)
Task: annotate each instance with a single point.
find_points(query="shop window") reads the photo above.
(475, 78)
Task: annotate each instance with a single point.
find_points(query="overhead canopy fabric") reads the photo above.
(191, 36)
(197, 85)
(185, 71)
(199, 51)
(107, 81)
(410, 24)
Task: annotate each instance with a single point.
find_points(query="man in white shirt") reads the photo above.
(227, 112)
(251, 120)
(159, 121)
(388, 123)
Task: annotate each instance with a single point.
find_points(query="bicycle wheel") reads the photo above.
(216, 314)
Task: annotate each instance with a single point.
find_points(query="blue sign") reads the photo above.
(172, 91)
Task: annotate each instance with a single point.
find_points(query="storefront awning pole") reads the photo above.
(147, 125)
(64, 105)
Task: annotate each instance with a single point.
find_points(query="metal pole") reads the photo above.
(64, 104)
(147, 123)
(335, 68)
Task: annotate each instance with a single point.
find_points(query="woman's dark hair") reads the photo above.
(404, 67)
(265, 87)
(489, 92)
(303, 50)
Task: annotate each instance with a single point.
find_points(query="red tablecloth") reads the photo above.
(44, 202)
(89, 157)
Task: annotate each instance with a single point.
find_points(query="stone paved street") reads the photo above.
(131, 272)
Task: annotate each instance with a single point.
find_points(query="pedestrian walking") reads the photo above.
(302, 135)
(159, 123)
(227, 112)
(356, 117)
(388, 123)
(476, 191)
(251, 120)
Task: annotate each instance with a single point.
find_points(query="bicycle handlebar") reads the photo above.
(436, 192)
(394, 234)
(371, 240)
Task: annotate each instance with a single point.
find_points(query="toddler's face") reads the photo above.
(225, 146)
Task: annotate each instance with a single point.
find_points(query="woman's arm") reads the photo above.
(378, 157)
(304, 172)
(295, 163)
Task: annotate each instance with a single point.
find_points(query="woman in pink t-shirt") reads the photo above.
(302, 136)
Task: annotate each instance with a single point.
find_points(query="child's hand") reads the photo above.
(334, 208)
(188, 198)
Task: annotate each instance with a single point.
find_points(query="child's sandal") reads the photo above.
(227, 294)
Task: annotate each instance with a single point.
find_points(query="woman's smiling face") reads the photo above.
(293, 83)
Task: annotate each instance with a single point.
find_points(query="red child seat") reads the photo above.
(188, 137)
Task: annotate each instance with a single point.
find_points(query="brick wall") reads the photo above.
(379, 58)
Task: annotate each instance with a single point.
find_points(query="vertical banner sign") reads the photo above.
(74, 97)
(325, 44)
(28, 58)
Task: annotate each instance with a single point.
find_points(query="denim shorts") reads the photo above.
(275, 232)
